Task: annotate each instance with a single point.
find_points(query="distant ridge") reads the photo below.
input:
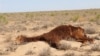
(54, 10)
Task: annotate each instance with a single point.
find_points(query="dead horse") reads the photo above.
(59, 33)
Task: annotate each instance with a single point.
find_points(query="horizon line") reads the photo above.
(50, 10)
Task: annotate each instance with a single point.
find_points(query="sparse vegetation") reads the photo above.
(36, 23)
(97, 17)
(69, 15)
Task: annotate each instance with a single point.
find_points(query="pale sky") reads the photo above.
(46, 5)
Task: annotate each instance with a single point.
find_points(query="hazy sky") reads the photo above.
(42, 5)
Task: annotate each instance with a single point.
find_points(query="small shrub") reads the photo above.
(70, 54)
(96, 47)
(29, 53)
(84, 55)
(98, 17)
(45, 53)
(44, 26)
(97, 37)
(66, 13)
(92, 20)
(84, 15)
(95, 13)
(64, 46)
(3, 20)
(75, 18)
(52, 14)
(90, 30)
(2, 53)
(98, 21)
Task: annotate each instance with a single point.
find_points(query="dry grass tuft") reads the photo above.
(3, 20)
(69, 54)
(90, 30)
(96, 47)
(64, 46)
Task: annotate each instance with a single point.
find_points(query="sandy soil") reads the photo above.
(10, 31)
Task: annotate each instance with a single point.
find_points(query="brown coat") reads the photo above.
(61, 32)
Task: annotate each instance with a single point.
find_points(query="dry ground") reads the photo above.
(36, 23)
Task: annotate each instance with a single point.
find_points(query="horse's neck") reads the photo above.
(30, 39)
